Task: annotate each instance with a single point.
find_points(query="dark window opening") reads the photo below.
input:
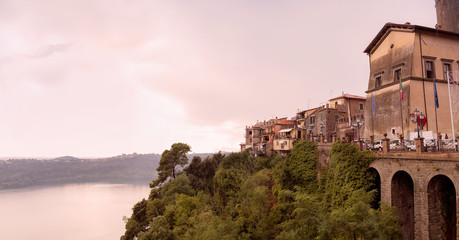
(430, 69)
(447, 71)
(398, 75)
(378, 82)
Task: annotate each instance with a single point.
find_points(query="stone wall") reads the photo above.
(421, 169)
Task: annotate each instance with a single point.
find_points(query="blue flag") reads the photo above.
(435, 94)
(373, 104)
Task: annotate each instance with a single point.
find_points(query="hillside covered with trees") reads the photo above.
(126, 168)
(242, 197)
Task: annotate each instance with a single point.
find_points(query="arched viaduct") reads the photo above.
(423, 187)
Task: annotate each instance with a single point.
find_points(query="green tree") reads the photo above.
(159, 230)
(306, 219)
(137, 222)
(255, 200)
(346, 174)
(357, 220)
(170, 159)
(298, 171)
(180, 185)
(200, 173)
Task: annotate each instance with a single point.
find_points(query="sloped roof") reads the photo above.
(308, 110)
(390, 25)
(349, 96)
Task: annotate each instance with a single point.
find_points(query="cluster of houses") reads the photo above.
(342, 118)
(413, 90)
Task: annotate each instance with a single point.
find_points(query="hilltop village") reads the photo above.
(413, 91)
(341, 118)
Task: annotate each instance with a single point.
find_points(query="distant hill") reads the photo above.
(126, 168)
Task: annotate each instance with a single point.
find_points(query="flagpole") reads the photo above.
(401, 113)
(450, 105)
(435, 102)
(423, 80)
(373, 111)
(401, 98)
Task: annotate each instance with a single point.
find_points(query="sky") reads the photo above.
(98, 78)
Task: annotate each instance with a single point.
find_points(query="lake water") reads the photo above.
(71, 212)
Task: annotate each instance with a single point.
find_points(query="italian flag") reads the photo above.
(401, 89)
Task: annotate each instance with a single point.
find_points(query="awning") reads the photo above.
(286, 130)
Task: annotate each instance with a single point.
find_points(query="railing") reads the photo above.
(431, 145)
(283, 137)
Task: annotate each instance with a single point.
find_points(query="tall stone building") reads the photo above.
(405, 60)
(447, 15)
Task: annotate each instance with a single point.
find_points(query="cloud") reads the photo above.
(103, 77)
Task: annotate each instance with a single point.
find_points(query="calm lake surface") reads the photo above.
(71, 212)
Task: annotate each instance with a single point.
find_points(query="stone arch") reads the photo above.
(442, 208)
(376, 180)
(402, 193)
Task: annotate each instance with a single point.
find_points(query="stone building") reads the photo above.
(279, 135)
(352, 109)
(268, 136)
(253, 137)
(322, 122)
(405, 60)
(302, 118)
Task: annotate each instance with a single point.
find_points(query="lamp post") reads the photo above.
(357, 124)
(311, 132)
(417, 118)
(321, 132)
(353, 132)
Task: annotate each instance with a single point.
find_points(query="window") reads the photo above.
(336, 104)
(312, 120)
(430, 73)
(378, 82)
(447, 71)
(361, 106)
(398, 75)
(321, 116)
(336, 118)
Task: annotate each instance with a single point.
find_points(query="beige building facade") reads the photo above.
(412, 56)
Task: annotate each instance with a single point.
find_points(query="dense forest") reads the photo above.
(242, 197)
(126, 168)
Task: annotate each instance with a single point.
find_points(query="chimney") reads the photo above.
(447, 15)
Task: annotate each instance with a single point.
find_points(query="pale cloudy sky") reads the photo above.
(104, 77)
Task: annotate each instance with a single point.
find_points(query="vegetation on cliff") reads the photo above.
(242, 197)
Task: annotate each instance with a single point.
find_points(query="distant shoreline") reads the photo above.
(125, 169)
(40, 187)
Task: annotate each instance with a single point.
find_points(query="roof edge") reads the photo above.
(389, 25)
